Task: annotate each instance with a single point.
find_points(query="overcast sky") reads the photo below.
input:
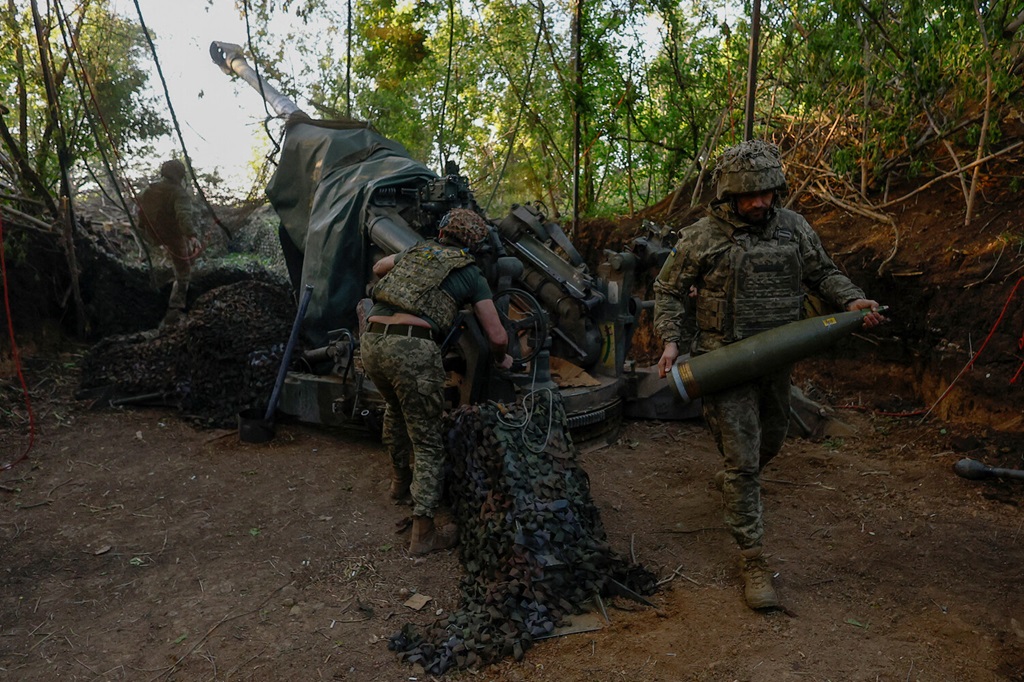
(221, 120)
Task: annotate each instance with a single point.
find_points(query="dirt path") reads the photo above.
(137, 548)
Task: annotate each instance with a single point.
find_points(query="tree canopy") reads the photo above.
(862, 91)
(72, 81)
(858, 93)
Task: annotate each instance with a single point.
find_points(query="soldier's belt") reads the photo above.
(400, 330)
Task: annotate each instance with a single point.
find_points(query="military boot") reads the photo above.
(427, 538)
(401, 479)
(757, 580)
(172, 317)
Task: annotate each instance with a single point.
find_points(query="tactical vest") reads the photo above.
(762, 289)
(414, 284)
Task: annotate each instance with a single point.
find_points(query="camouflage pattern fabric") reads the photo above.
(749, 424)
(762, 290)
(408, 373)
(165, 216)
(413, 285)
(701, 258)
(173, 170)
(751, 166)
(465, 227)
(182, 279)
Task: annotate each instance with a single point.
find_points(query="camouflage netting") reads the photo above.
(221, 359)
(531, 538)
(258, 236)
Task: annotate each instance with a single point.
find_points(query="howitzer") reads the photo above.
(347, 196)
(760, 354)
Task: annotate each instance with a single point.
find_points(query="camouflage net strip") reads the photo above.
(531, 538)
(221, 359)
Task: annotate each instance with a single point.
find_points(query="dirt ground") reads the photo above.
(136, 547)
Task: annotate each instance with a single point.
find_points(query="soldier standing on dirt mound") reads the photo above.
(165, 215)
(414, 307)
(749, 260)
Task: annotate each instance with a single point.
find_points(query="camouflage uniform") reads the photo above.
(408, 371)
(165, 216)
(749, 278)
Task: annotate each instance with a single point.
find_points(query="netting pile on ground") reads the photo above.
(531, 539)
(219, 360)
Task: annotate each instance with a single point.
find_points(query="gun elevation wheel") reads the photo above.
(525, 322)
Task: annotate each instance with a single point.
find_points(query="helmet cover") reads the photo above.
(751, 166)
(464, 227)
(173, 170)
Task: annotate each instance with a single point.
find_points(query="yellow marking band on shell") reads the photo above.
(684, 382)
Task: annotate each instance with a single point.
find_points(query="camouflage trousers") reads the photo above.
(182, 278)
(749, 423)
(408, 373)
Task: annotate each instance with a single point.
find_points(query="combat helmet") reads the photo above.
(751, 166)
(173, 170)
(465, 228)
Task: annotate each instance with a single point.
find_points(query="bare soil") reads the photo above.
(136, 547)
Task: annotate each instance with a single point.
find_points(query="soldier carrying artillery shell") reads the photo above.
(749, 261)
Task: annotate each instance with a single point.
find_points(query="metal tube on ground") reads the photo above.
(977, 471)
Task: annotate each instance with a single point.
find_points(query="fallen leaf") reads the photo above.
(417, 601)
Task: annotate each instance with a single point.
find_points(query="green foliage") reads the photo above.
(95, 61)
(494, 85)
(658, 90)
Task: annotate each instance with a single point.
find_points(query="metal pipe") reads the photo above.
(390, 232)
(755, 39)
(231, 60)
(272, 405)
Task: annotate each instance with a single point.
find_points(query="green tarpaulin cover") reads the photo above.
(327, 173)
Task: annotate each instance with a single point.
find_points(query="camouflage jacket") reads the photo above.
(705, 257)
(165, 215)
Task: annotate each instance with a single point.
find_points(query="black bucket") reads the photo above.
(253, 427)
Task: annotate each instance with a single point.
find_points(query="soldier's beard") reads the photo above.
(755, 216)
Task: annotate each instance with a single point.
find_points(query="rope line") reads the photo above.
(447, 82)
(16, 357)
(259, 79)
(970, 363)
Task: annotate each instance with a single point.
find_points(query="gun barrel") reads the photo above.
(231, 60)
(760, 354)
